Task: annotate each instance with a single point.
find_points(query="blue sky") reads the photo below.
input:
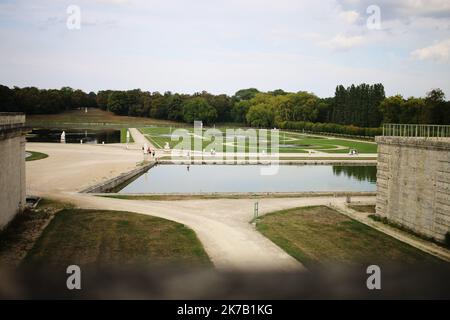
(223, 46)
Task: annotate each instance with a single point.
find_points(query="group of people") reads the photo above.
(146, 149)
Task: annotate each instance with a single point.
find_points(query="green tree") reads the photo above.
(102, 99)
(278, 92)
(175, 108)
(261, 115)
(6, 99)
(434, 112)
(246, 94)
(119, 103)
(411, 110)
(391, 109)
(239, 111)
(198, 109)
(223, 105)
(158, 106)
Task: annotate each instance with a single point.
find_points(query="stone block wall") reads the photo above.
(12, 166)
(413, 183)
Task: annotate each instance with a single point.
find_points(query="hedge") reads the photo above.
(330, 128)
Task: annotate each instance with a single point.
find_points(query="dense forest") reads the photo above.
(354, 110)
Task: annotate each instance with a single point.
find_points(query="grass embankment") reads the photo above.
(123, 136)
(94, 237)
(93, 118)
(175, 197)
(36, 156)
(320, 236)
(363, 208)
(20, 234)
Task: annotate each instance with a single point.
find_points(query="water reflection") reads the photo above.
(362, 173)
(75, 135)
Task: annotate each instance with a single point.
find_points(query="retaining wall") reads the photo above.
(413, 184)
(119, 180)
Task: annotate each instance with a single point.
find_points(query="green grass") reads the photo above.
(36, 156)
(21, 233)
(298, 143)
(320, 236)
(105, 238)
(18, 226)
(123, 136)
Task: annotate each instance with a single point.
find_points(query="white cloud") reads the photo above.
(342, 42)
(349, 17)
(438, 52)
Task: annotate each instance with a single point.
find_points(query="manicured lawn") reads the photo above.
(320, 236)
(94, 237)
(289, 142)
(36, 156)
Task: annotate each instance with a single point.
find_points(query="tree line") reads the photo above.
(433, 109)
(31, 100)
(357, 105)
(352, 110)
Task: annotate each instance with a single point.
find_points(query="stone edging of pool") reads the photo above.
(246, 195)
(121, 179)
(280, 162)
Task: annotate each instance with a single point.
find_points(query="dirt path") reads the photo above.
(139, 138)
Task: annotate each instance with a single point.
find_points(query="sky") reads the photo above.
(223, 46)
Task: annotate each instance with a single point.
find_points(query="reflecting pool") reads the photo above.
(248, 178)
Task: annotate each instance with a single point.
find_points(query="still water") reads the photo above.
(247, 178)
(74, 135)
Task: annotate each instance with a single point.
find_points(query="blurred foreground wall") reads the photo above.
(12, 165)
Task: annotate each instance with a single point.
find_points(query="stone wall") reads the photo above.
(12, 166)
(413, 183)
(120, 180)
